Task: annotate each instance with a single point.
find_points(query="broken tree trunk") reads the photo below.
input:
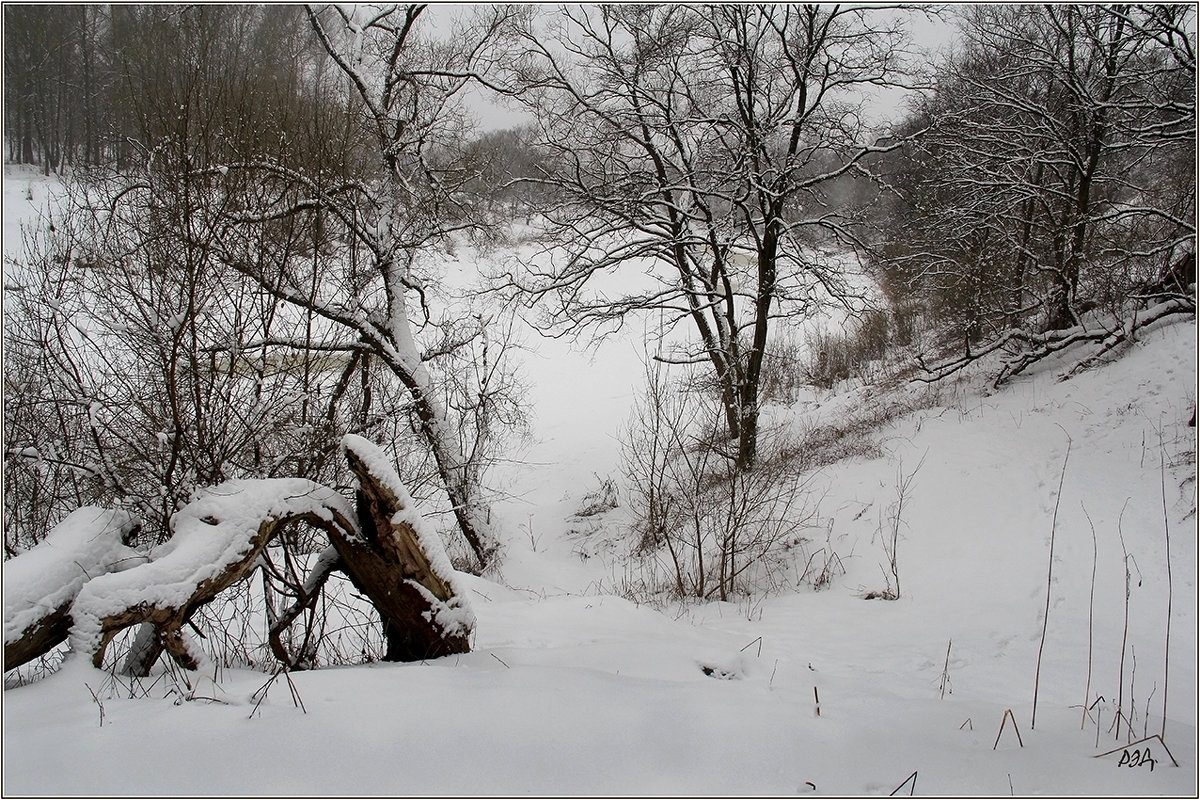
(216, 541)
(400, 565)
(41, 584)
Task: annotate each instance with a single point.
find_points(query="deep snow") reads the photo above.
(572, 689)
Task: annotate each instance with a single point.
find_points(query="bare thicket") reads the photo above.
(128, 336)
(1051, 201)
(268, 273)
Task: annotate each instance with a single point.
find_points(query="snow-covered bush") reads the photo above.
(838, 355)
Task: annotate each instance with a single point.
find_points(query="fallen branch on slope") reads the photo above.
(1035, 347)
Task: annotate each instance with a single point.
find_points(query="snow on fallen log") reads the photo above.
(401, 565)
(216, 540)
(40, 584)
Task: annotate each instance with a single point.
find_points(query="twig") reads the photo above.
(1087, 686)
(759, 640)
(98, 703)
(261, 692)
(1003, 720)
(1099, 699)
(946, 670)
(1132, 685)
(1162, 477)
(1124, 624)
(1146, 714)
(1037, 675)
(501, 660)
(910, 779)
(296, 699)
(817, 700)
(1118, 718)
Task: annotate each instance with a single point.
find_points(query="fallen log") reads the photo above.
(216, 541)
(41, 584)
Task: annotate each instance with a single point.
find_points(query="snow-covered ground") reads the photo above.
(573, 689)
(28, 197)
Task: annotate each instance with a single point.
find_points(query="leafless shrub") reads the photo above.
(889, 532)
(715, 529)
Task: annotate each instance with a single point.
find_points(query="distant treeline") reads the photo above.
(92, 84)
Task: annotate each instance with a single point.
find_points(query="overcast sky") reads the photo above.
(930, 34)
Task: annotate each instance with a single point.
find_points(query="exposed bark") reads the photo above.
(46, 634)
(390, 566)
(147, 646)
(404, 575)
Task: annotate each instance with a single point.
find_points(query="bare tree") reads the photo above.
(393, 216)
(697, 143)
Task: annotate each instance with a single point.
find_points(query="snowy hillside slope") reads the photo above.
(574, 689)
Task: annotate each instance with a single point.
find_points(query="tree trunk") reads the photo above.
(46, 634)
(452, 465)
(392, 564)
(767, 255)
(452, 468)
(26, 137)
